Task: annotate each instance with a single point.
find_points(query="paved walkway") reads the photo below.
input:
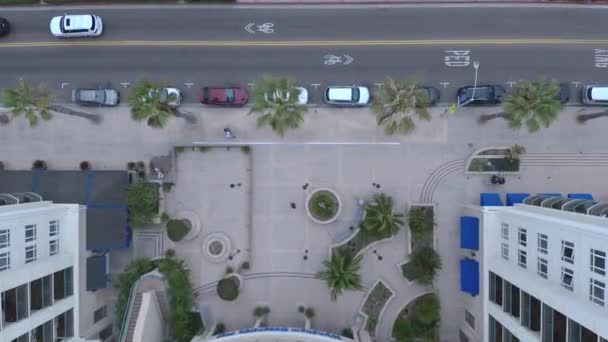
(425, 166)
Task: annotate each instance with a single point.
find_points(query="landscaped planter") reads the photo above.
(374, 304)
(323, 205)
(195, 224)
(492, 160)
(418, 242)
(216, 247)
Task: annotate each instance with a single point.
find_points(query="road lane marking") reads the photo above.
(511, 83)
(63, 84)
(445, 84)
(457, 58)
(125, 84)
(306, 43)
(601, 58)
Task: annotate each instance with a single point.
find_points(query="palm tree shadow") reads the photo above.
(186, 115)
(95, 118)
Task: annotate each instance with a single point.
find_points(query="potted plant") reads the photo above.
(39, 165)
(141, 166)
(85, 165)
(131, 166)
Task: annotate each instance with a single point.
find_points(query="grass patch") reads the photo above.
(323, 205)
(419, 320)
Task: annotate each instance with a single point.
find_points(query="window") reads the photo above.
(30, 233)
(505, 231)
(567, 278)
(568, 251)
(40, 293)
(462, 337)
(598, 262)
(54, 228)
(5, 261)
(54, 247)
(543, 243)
(63, 284)
(470, 319)
(100, 314)
(5, 238)
(505, 251)
(523, 237)
(578, 333)
(542, 267)
(521, 258)
(596, 291)
(64, 325)
(30, 254)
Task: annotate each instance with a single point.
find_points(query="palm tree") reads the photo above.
(146, 104)
(380, 219)
(535, 104)
(35, 103)
(31, 102)
(397, 103)
(277, 100)
(426, 262)
(341, 273)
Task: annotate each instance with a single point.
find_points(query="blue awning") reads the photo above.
(469, 276)
(552, 194)
(469, 232)
(516, 197)
(488, 199)
(581, 196)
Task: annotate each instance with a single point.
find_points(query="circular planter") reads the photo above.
(323, 205)
(216, 247)
(229, 286)
(195, 224)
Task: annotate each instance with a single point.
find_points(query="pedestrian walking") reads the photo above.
(293, 205)
(228, 133)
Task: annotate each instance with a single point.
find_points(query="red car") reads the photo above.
(224, 96)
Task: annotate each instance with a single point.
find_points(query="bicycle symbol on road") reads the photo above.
(264, 28)
(333, 60)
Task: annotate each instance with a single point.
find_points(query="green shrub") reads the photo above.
(425, 263)
(125, 281)
(177, 229)
(427, 310)
(178, 149)
(183, 323)
(259, 311)
(347, 332)
(245, 149)
(39, 165)
(309, 312)
(142, 200)
(170, 252)
(203, 149)
(167, 187)
(219, 329)
(228, 288)
(245, 265)
(403, 330)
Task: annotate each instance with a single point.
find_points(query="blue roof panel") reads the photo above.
(469, 276)
(469, 232)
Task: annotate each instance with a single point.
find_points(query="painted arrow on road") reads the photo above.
(349, 60)
(248, 28)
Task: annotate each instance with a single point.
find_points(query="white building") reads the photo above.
(542, 273)
(43, 275)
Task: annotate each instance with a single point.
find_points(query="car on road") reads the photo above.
(480, 95)
(595, 95)
(5, 27)
(96, 97)
(302, 96)
(171, 96)
(76, 26)
(432, 94)
(347, 96)
(224, 96)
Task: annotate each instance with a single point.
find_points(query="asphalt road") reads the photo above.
(370, 44)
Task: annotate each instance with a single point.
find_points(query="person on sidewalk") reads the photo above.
(228, 133)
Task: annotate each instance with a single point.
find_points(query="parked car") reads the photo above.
(480, 95)
(595, 95)
(96, 97)
(224, 96)
(302, 96)
(76, 26)
(433, 95)
(5, 27)
(347, 95)
(171, 96)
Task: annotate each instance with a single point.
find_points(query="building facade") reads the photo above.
(542, 276)
(43, 275)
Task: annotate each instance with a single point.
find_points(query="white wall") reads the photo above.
(149, 327)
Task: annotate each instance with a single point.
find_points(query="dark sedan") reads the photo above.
(5, 27)
(480, 95)
(432, 94)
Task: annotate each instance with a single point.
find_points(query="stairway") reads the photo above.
(133, 318)
(163, 303)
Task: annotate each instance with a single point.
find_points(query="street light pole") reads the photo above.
(476, 67)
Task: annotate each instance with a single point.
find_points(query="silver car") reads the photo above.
(96, 97)
(595, 95)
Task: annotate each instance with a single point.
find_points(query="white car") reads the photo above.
(347, 96)
(302, 96)
(76, 26)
